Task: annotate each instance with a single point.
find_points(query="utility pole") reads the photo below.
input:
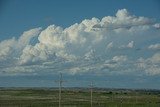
(136, 96)
(91, 90)
(60, 89)
(121, 99)
(60, 81)
(112, 94)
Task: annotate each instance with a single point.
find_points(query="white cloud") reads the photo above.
(26, 37)
(121, 58)
(118, 65)
(90, 23)
(82, 46)
(110, 45)
(90, 55)
(155, 46)
(123, 13)
(123, 20)
(6, 48)
(155, 58)
(32, 54)
(11, 48)
(130, 44)
(52, 37)
(150, 65)
(157, 25)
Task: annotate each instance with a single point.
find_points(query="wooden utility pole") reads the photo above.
(91, 90)
(60, 89)
(60, 81)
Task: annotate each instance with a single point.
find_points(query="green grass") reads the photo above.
(70, 98)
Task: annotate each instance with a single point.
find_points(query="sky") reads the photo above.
(115, 44)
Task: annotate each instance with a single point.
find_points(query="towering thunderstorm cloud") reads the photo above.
(114, 45)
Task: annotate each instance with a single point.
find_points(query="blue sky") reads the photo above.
(113, 43)
(21, 15)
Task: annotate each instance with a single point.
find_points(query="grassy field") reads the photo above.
(78, 98)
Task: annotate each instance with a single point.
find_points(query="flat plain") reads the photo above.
(78, 97)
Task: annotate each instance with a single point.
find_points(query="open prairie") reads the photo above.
(78, 97)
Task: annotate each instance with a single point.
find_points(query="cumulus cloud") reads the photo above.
(110, 45)
(90, 55)
(52, 37)
(26, 37)
(155, 46)
(11, 48)
(119, 58)
(157, 25)
(93, 45)
(130, 44)
(31, 54)
(115, 61)
(155, 58)
(124, 20)
(150, 65)
(6, 48)
(118, 65)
